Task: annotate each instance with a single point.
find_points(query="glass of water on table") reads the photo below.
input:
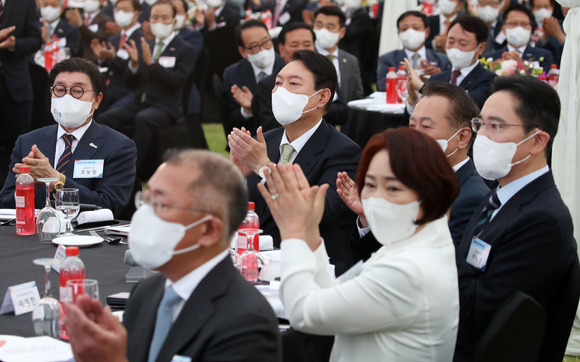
(67, 202)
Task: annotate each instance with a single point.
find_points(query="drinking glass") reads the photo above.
(67, 202)
(46, 313)
(402, 91)
(76, 287)
(250, 261)
(48, 219)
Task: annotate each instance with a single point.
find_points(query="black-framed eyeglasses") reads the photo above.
(477, 124)
(266, 44)
(142, 199)
(75, 91)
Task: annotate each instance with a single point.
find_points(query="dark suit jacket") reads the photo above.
(224, 319)
(195, 39)
(491, 44)
(394, 59)
(292, 7)
(229, 16)
(22, 14)
(109, 10)
(87, 36)
(262, 104)
(477, 84)
(72, 35)
(350, 82)
(325, 154)
(164, 86)
(118, 152)
(531, 54)
(532, 250)
(117, 87)
(242, 74)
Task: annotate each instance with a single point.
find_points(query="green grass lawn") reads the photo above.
(571, 359)
(214, 134)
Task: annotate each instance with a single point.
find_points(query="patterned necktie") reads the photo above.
(159, 51)
(454, 76)
(122, 41)
(261, 76)
(163, 322)
(66, 154)
(493, 203)
(330, 57)
(416, 58)
(287, 151)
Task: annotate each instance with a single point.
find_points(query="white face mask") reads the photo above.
(113, 2)
(152, 240)
(447, 7)
(518, 36)
(50, 13)
(70, 112)
(542, 14)
(123, 19)
(493, 160)
(487, 13)
(91, 6)
(445, 143)
(325, 39)
(263, 58)
(214, 3)
(288, 107)
(460, 59)
(412, 39)
(179, 21)
(352, 4)
(160, 30)
(390, 222)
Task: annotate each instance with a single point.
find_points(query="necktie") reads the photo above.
(66, 154)
(261, 76)
(416, 58)
(287, 151)
(159, 51)
(88, 20)
(446, 26)
(330, 57)
(49, 28)
(1, 11)
(492, 204)
(163, 322)
(277, 12)
(454, 76)
(122, 41)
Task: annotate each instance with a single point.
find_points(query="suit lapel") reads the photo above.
(146, 323)
(465, 172)
(306, 158)
(47, 145)
(467, 82)
(87, 146)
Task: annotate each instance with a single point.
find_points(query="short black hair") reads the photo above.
(462, 108)
(185, 6)
(173, 9)
(539, 103)
(252, 23)
(291, 27)
(332, 10)
(413, 13)
(79, 65)
(135, 3)
(520, 8)
(322, 69)
(472, 24)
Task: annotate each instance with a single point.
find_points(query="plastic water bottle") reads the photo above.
(402, 77)
(24, 197)
(252, 221)
(72, 267)
(392, 80)
(427, 7)
(554, 76)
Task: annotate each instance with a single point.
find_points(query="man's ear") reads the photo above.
(212, 232)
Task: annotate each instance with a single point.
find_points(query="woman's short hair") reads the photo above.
(418, 162)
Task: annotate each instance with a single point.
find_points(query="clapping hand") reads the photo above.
(146, 52)
(103, 50)
(414, 83)
(251, 153)
(131, 48)
(348, 192)
(244, 97)
(39, 165)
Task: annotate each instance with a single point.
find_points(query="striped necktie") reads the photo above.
(493, 204)
(66, 156)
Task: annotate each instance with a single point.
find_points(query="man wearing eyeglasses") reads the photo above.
(520, 237)
(241, 78)
(198, 307)
(78, 152)
(517, 25)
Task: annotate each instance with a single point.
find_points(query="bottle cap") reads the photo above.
(392, 69)
(554, 66)
(72, 251)
(24, 169)
(251, 205)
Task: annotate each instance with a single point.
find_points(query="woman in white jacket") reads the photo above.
(402, 304)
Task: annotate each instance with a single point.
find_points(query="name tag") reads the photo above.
(284, 18)
(88, 169)
(123, 54)
(62, 42)
(478, 253)
(167, 62)
(178, 358)
(500, 38)
(20, 298)
(94, 27)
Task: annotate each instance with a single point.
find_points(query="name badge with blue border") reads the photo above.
(478, 253)
(88, 169)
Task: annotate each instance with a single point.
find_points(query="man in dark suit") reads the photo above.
(51, 152)
(465, 44)
(161, 71)
(548, 33)
(198, 308)
(413, 31)
(241, 79)
(306, 139)
(517, 25)
(490, 12)
(283, 11)
(521, 236)
(92, 25)
(67, 34)
(219, 14)
(439, 24)
(19, 38)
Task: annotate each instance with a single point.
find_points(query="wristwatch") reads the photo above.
(262, 170)
(60, 183)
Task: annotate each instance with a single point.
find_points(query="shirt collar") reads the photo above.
(325, 52)
(465, 71)
(508, 191)
(460, 164)
(521, 50)
(421, 52)
(167, 40)
(298, 143)
(77, 133)
(268, 70)
(54, 24)
(131, 30)
(218, 11)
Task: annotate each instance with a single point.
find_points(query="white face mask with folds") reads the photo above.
(70, 112)
(518, 37)
(288, 107)
(390, 222)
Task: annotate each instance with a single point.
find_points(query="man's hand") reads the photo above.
(252, 153)
(44, 33)
(552, 27)
(439, 42)
(146, 26)
(95, 334)
(210, 18)
(7, 41)
(74, 17)
(112, 28)
(5, 32)
(146, 52)
(103, 50)
(39, 165)
(428, 68)
(131, 48)
(244, 97)
(414, 83)
(199, 17)
(511, 56)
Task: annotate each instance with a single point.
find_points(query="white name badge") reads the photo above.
(178, 358)
(284, 18)
(167, 62)
(62, 42)
(478, 253)
(88, 169)
(20, 298)
(123, 54)
(94, 28)
(500, 38)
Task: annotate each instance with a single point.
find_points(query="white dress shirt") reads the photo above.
(298, 143)
(60, 142)
(464, 72)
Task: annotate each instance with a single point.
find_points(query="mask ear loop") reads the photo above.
(310, 110)
(529, 155)
(452, 137)
(190, 226)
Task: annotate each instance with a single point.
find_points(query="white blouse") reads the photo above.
(402, 306)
